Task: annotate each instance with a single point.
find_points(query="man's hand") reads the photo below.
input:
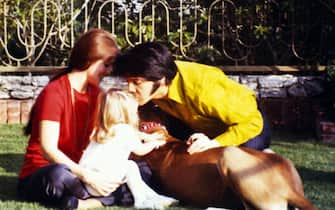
(199, 142)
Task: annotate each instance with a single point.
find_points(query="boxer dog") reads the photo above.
(226, 177)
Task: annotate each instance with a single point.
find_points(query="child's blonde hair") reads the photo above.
(115, 106)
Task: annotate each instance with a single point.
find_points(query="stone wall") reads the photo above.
(265, 86)
(287, 99)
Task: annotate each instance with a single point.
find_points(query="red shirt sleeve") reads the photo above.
(51, 104)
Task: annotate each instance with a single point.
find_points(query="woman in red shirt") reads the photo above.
(59, 128)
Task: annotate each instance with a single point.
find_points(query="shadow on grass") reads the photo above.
(8, 188)
(319, 187)
(10, 165)
(308, 174)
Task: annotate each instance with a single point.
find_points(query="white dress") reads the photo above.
(111, 158)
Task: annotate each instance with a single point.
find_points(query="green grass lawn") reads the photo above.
(315, 163)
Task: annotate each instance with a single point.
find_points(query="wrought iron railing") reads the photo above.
(223, 32)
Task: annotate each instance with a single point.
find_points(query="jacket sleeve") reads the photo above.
(239, 133)
(235, 107)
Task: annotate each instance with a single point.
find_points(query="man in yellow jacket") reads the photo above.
(219, 110)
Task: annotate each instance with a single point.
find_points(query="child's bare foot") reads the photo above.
(89, 203)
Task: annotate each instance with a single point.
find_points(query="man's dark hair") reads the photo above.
(150, 60)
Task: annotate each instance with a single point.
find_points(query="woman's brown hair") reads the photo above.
(91, 46)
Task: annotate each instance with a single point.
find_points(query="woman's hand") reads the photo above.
(199, 142)
(99, 182)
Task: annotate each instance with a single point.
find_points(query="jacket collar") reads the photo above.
(176, 89)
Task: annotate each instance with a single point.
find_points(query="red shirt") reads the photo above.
(54, 104)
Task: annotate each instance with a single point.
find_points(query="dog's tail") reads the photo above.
(296, 197)
(299, 201)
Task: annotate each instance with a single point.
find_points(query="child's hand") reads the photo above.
(158, 143)
(157, 136)
(148, 146)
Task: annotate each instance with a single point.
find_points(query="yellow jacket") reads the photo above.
(209, 102)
